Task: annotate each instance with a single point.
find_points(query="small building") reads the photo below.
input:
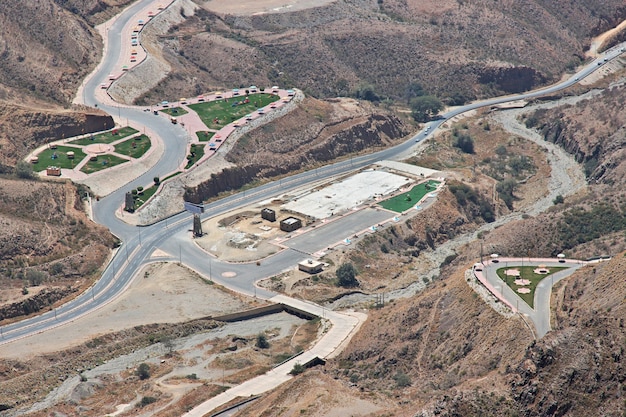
(70, 154)
(290, 224)
(34, 160)
(310, 266)
(53, 171)
(268, 214)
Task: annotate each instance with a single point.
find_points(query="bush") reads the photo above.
(505, 190)
(157, 180)
(261, 341)
(143, 371)
(35, 277)
(57, 268)
(558, 199)
(465, 143)
(146, 401)
(402, 380)
(346, 276)
(298, 368)
(24, 170)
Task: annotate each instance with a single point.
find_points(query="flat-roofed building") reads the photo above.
(290, 224)
(310, 266)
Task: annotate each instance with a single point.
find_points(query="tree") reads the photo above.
(346, 276)
(425, 107)
(143, 371)
(157, 180)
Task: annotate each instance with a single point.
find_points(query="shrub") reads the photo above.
(402, 380)
(465, 143)
(157, 180)
(558, 199)
(143, 371)
(298, 368)
(146, 401)
(261, 341)
(35, 277)
(24, 170)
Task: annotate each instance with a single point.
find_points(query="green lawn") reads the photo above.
(104, 161)
(196, 152)
(405, 201)
(61, 160)
(175, 111)
(204, 136)
(145, 195)
(149, 191)
(105, 137)
(141, 143)
(526, 272)
(226, 113)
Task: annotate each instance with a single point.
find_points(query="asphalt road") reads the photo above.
(172, 234)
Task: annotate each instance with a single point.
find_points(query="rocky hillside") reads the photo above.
(444, 352)
(592, 130)
(46, 49)
(457, 50)
(46, 239)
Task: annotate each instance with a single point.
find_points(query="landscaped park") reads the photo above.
(405, 201)
(93, 152)
(218, 113)
(524, 279)
(104, 150)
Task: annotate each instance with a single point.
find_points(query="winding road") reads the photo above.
(172, 235)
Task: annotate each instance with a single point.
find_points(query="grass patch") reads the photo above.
(405, 201)
(204, 136)
(526, 272)
(135, 147)
(172, 175)
(175, 111)
(103, 162)
(61, 160)
(145, 195)
(106, 137)
(195, 153)
(148, 192)
(225, 112)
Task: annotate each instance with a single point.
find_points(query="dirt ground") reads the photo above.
(163, 292)
(243, 236)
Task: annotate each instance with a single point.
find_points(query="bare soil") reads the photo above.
(163, 293)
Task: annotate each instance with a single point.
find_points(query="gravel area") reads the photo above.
(193, 350)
